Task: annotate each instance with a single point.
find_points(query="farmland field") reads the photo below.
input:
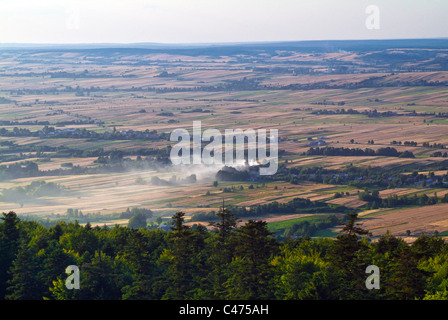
(417, 220)
(96, 123)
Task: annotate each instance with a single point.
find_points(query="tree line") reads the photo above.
(366, 177)
(52, 132)
(232, 261)
(375, 201)
(296, 205)
(341, 151)
(108, 161)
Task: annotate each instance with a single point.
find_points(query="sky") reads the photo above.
(217, 21)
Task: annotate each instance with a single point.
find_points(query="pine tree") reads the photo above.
(54, 262)
(184, 260)
(405, 280)
(250, 271)
(138, 256)
(9, 246)
(347, 258)
(99, 279)
(25, 282)
(223, 248)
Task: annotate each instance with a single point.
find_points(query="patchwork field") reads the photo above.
(416, 220)
(96, 124)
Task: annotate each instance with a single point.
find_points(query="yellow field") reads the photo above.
(418, 220)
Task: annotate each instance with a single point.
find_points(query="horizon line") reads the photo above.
(205, 43)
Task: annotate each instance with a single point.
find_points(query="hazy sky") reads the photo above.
(199, 21)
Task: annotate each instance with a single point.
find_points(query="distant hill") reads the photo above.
(219, 49)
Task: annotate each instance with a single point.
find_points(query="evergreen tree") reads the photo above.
(223, 248)
(54, 262)
(9, 246)
(25, 282)
(348, 259)
(250, 272)
(138, 256)
(427, 246)
(99, 280)
(80, 239)
(405, 281)
(184, 260)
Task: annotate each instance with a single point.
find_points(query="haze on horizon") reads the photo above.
(215, 21)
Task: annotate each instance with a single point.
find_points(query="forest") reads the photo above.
(232, 261)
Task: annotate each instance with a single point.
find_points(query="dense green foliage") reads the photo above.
(234, 261)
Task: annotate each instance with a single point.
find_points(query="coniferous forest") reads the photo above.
(233, 261)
